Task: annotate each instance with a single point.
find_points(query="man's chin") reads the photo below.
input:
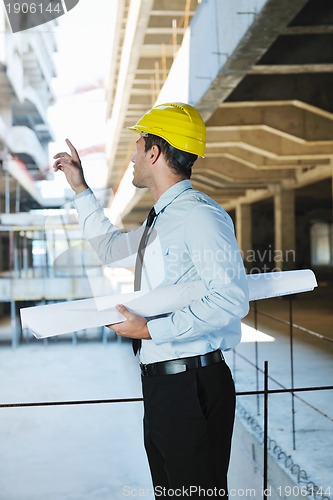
(137, 184)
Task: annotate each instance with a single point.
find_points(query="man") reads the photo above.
(188, 391)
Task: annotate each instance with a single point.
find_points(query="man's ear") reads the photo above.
(154, 153)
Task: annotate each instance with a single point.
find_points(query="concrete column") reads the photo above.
(244, 231)
(285, 239)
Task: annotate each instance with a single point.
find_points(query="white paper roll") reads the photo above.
(67, 317)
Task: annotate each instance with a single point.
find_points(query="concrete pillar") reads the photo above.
(7, 194)
(13, 323)
(285, 240)
(244, 231)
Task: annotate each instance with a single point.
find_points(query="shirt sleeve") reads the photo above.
(82, 194)
(111, 245)
(216, 259)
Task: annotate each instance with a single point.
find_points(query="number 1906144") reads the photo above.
(34, 8)
(304, 491)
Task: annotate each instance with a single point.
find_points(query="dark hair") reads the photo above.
(179, 161)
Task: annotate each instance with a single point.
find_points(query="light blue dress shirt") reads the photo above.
(192, 238)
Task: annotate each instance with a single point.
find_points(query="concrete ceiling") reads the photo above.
(269, 113)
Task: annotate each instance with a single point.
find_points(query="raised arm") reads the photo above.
(110, 244)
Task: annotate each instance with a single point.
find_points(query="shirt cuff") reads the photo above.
(159, 330)
(83, 193)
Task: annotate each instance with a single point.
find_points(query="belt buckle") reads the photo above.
(175, 368)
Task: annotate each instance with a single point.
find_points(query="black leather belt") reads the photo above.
(179, 365)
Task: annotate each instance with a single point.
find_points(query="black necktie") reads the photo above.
(136, 343)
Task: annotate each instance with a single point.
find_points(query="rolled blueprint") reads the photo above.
(67, 317)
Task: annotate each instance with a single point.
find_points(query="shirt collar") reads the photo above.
(170, 194)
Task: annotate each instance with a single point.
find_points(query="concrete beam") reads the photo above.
(157, 50)
(170, 13)
(314, 174)
(295, 118)
(269, 141)
(253, 158)
(273, 18)
(289, 69)
(165, 31)
(230, 170)
(308, 30)
(251, 196)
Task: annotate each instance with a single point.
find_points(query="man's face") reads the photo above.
(141, 166)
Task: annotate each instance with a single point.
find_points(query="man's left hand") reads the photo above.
(135, 326)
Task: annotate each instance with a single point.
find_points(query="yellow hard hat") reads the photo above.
(179, 124)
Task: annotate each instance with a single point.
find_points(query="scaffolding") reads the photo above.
(43, 260)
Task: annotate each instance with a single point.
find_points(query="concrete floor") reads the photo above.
(73, 452)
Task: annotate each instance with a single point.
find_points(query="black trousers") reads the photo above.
(188, 425)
